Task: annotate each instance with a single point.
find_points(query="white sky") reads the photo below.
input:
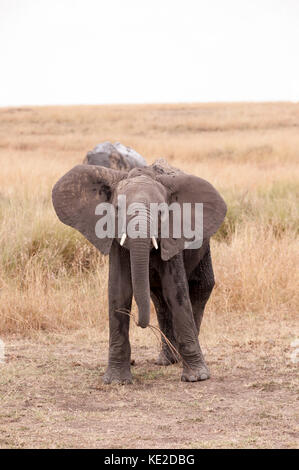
(122, 51)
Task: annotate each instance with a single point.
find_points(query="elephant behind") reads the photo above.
(116, 156)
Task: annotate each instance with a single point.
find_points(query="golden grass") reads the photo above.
(53, 282)
(52, 279)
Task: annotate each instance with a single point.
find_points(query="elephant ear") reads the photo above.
(76, 195)
(185, 188)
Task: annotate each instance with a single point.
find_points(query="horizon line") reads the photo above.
(153, 103)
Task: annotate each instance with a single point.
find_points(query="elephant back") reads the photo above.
(116, 156)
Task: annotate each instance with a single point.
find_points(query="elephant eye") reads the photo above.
(106, 190)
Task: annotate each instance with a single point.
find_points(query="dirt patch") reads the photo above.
(51, 396)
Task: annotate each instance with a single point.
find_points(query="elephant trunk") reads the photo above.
(139, 254)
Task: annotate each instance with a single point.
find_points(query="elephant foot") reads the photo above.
(165, 359)
(119, 375)
(196, 373)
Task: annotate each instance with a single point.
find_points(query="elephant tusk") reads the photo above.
(123, 239)
(155, 242)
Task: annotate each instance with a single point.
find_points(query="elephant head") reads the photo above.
(77, 194)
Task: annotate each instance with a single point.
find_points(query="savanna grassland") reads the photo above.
(53, 284)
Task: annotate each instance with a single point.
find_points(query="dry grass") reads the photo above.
(53, 283)
(51, 277)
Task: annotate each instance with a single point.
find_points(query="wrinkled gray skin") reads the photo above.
(115, 156)
(179, 281)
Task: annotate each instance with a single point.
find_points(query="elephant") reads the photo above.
(115, 156)
(177, 277)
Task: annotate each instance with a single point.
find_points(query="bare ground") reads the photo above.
(51, 395)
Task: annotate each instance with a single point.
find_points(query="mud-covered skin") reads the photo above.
(180, 306)
(166, 355)
(178, 280)
(120, 298)
(200, 282)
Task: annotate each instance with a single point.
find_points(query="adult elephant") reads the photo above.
(115, 156)
(178, 279)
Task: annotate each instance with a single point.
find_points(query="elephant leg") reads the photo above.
(166, 355)
(120, 299)
(176, 294)
(201, 284)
